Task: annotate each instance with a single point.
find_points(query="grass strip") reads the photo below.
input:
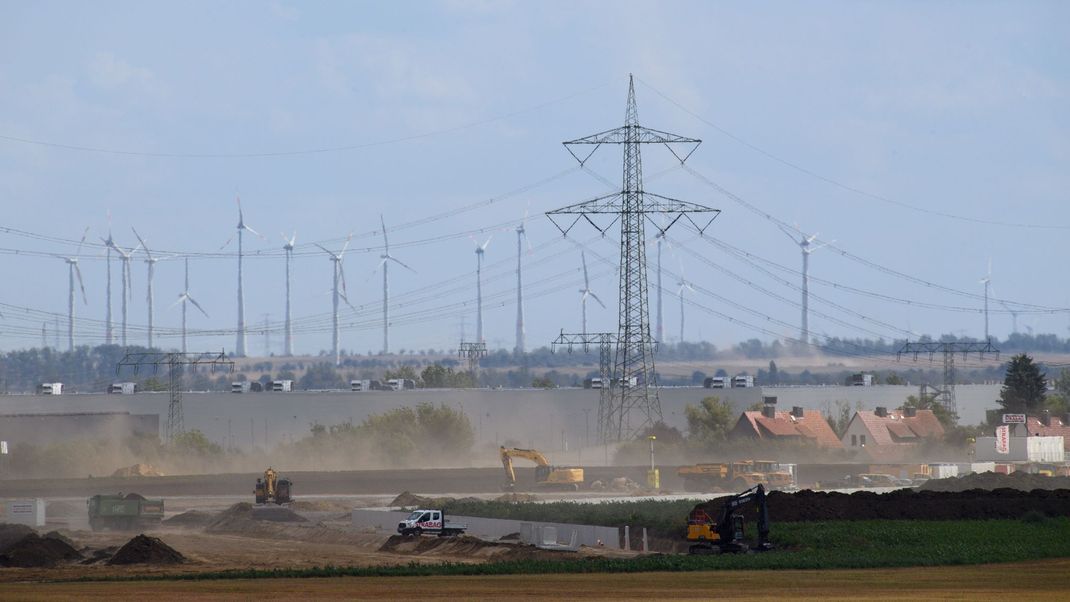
(819, 545)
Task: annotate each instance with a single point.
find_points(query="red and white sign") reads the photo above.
(1003, 439)
(1014, 419)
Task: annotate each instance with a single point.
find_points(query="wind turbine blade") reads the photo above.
(789, 233)
(86, 233)
(381, 262)
(81, 285)
(293, 238)
(142, 242)
(386, 241)
(349, 239)
(583, 258)
(346, 299)
(324, 249)
(487, 242)
(595, 297)
(342, 277)
(401, 263)
(258, 235)
(226, 244)
(180, 299)
(197, 305)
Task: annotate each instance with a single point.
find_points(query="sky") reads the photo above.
(926, 138)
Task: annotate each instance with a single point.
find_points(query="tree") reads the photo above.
(774, 375)
(1024, 386)
(543, 382)
(321, 376)
(709, 421)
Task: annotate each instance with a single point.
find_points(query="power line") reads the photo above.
(848, 187)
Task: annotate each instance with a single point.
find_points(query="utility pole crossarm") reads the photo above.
(584, 341)
(933, 347)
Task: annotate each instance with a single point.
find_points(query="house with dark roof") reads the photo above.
(889, 436)
(779, 425)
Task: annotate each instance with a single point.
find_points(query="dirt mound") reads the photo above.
(320, 506)
(409, 500)
(138, 470)
(464, 546)
(60, 537)
(191, 518)
(36, 551)
(243, 517)
(908, 504)
(143, 549)
(11, 533)
(993, 480)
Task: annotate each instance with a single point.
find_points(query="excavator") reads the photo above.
(546, 476)
(273, 490)
(725, 535)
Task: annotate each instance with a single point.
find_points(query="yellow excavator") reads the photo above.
(546, 476)
(273, 490)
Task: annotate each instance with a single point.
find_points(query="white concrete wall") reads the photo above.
(493, 528)
(1022, 449)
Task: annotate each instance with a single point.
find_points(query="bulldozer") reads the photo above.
(546, 476)
(725, 533)
(272, 490)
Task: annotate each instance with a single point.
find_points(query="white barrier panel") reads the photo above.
(24, 512)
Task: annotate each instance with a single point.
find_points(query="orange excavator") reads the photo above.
(546, 476)
(273, 490)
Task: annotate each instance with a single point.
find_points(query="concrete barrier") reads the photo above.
(563, 534)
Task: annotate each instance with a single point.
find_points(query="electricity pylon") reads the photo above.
(633, 384)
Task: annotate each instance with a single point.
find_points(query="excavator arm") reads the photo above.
(543, 469)
(755, 495)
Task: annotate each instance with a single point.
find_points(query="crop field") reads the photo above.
(1039, 580)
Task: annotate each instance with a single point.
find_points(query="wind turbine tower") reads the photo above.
(151, 262)
(127, 280)
(339, 276)
(480, 249)
(659, 330)
(586, 292)
(108, 244)
(185, 298)
(384, 262)
(987, 281)
(72, 271)
(239, 346)
(288, 344)
(806, 246)
(521, 236)
(682, 284)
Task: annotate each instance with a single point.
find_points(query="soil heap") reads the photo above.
(11, 533)
(243, 518)
(190, 518)
(411, 500)
(908, 504)
(993, 480)
(36, 551)
(138, 470)
(143, 549)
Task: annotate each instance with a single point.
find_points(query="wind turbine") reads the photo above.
(239, 347)
(480, 249)
(289, 248)
(127, 280)
(682, 284)
(151, 262)
(72, 271)
(183, 298)
(806, 246)
(987, 281)
(339, 275)
(109, 243)
(521, 236)
(659, 327)
(384, 262)
(586, 292)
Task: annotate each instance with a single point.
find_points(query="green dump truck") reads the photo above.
(123, 512)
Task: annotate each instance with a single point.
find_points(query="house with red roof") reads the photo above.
(890, 436)
(779, 425)
(1049, 426)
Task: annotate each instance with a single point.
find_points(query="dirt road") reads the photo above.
(1042, 580)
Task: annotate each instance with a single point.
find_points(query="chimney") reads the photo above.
(769, 400)
(1045, 418)
(769, 411)
(797, 411)
(881, 412)
(910, 412)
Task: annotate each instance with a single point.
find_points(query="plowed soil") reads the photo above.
(907, 504)
(992, 480)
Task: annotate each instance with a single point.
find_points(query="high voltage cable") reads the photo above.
(843, 252)
(848, 187)
(291, 153)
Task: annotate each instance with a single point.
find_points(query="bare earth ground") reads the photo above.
(1041, 580)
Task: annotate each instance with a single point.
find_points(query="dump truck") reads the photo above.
(429, 521)
(273, 490)
(546, 476)
(725, 533)
(124, 512)
(733, 476)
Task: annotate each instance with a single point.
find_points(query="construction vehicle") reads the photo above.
(123, 512)
(429, 521)
(733, 476)
(273, 490)
(725, 535)
(546, 476)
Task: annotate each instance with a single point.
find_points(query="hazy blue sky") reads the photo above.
(954, 107)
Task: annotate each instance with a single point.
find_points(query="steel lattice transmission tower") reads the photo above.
(948, 349)
(633, 385)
